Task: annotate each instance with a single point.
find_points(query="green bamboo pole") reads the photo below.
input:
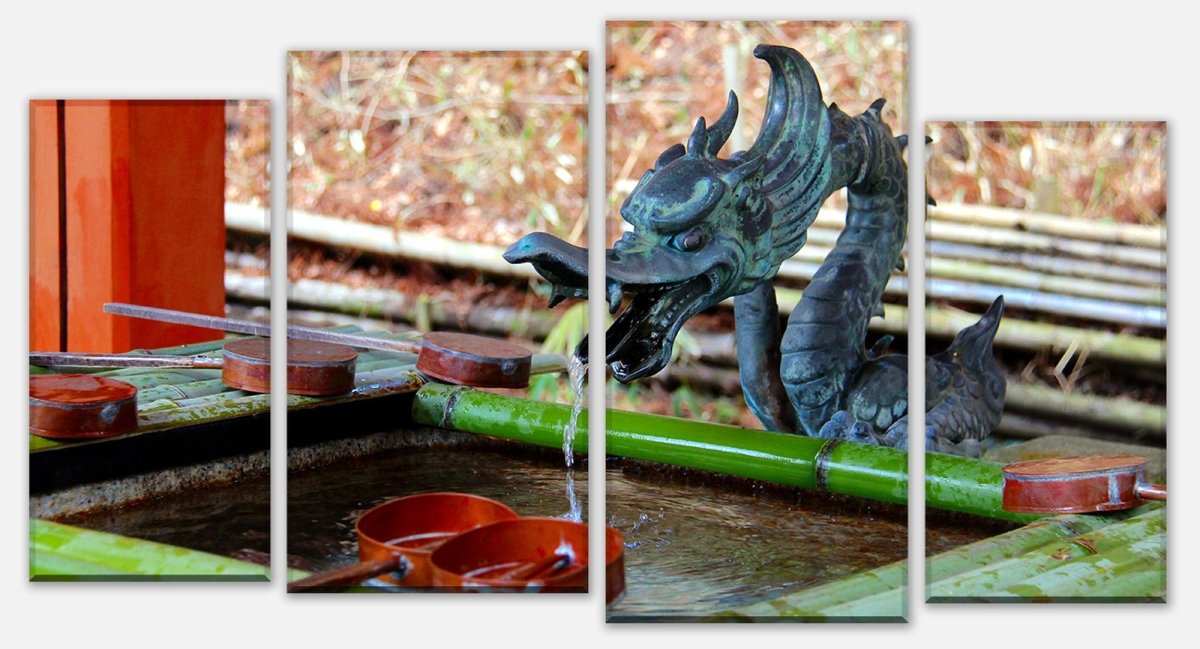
(1113, 543)
(60, 552)
(860, 470)
(966, 485)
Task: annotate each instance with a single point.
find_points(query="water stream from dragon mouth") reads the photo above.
(577, 375)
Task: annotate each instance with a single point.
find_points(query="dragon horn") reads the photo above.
(698, 143)
(719, 132)
(794, 143)
(668, 155)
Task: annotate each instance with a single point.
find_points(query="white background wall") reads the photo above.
(1003, 60)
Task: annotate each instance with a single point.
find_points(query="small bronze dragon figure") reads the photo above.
(706, 229)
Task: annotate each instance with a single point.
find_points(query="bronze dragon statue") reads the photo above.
(706, 229)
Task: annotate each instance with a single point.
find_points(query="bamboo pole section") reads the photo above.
(1112, 253)
(860, 470)
(1135, 315)
(60, 552)
(970, 271)
(1147, 236)
(1018, 426)
(1089, 308)
(1144, 419)
(1052, 264)
(380, 240)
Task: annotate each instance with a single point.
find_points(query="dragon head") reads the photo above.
(705, 228)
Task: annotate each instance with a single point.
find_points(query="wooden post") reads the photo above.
(47, 329)
(141, 185)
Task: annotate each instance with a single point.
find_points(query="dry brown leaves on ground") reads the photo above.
(1096, 170)
(475, 146)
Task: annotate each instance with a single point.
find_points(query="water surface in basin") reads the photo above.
(695, 547)
(228, 520)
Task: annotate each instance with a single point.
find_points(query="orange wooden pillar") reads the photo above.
(136, 214)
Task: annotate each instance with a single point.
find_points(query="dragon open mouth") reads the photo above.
(639, 341)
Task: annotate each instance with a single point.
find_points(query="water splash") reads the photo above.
(577, 375)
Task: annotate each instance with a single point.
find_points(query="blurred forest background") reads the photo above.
(1068, 221)
(1101, 171)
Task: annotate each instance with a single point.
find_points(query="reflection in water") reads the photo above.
(325, 502)
(221, 520)
(695, 549)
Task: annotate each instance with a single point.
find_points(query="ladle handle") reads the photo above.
(71, 359)
(348, 576)
(1147, 491)
(549, 565)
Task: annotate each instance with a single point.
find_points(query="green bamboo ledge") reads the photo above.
(860, 470)
(60, 552)
(1080, 557)
(1115, 556)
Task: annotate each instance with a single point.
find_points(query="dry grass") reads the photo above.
(1095, 170)
(248, 151)
(664, 75)
(477, 146)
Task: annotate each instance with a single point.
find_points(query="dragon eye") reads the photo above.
(690, 241)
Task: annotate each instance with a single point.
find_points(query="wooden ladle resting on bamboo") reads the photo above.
(458, 358)
(1073, 485)
(313, 368)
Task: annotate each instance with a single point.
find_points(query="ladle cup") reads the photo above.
(396, 539)
(513, 556)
